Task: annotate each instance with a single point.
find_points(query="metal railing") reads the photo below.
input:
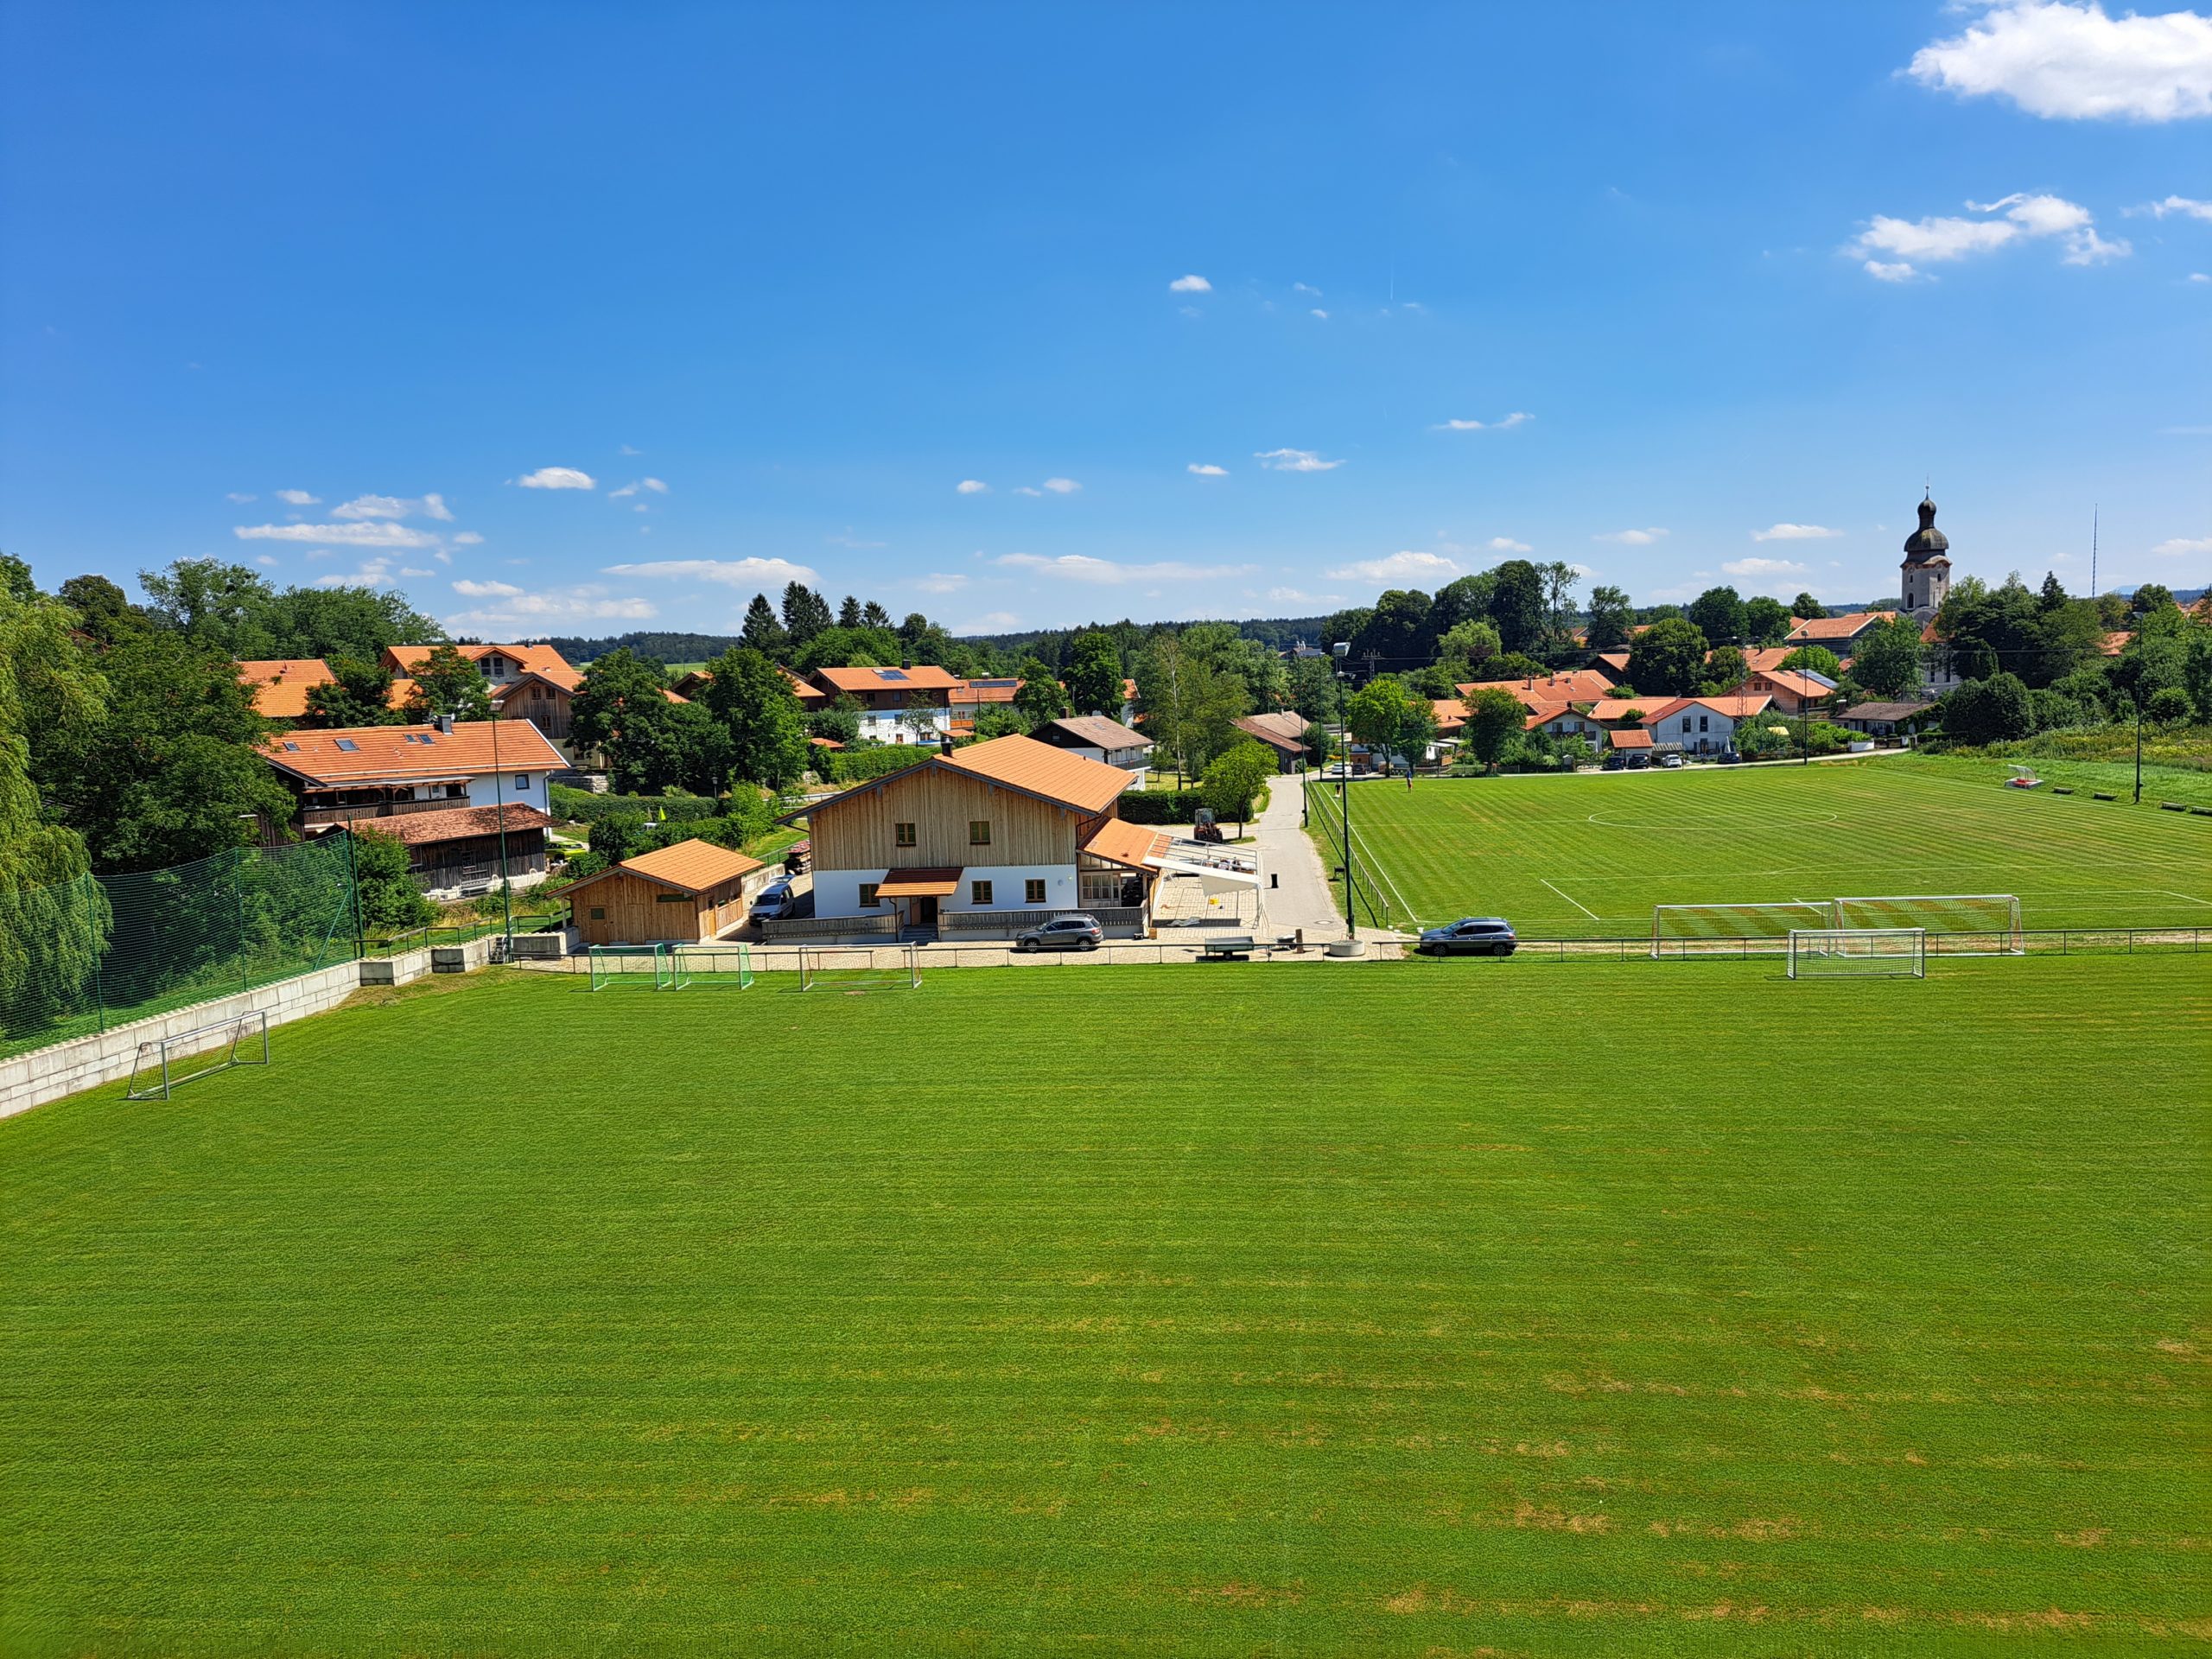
(795, 929)
(1005, 924)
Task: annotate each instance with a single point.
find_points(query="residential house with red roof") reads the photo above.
(908, 704)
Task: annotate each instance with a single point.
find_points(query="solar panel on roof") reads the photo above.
(893, 673)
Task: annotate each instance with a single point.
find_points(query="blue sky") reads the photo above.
(779, 281)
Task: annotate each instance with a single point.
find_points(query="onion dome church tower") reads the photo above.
(1927, 565)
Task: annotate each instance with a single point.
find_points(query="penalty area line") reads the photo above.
(1577, 903)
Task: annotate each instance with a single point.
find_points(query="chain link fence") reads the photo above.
(79, 956)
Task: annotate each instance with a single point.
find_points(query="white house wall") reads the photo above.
(482, 792)
(837, 892)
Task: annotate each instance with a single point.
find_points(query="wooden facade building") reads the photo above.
(690, 893)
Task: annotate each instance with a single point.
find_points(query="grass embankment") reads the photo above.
(1575, 857)
(1536, 1315)
(2168, 779)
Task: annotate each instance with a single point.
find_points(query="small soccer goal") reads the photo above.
(637, 966)
(727, 965)
(1859, 953)
(857, 968)
(158, 1066)
(1967, 924)
(1695, 930)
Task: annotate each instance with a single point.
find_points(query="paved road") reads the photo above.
(1300, 897)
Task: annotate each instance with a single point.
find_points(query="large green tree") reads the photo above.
(1719, 613)
(1766, 621)
(805, 614)
(1094, 673)
(1517, 606)
(1611, 616)
(762, 631)
(622, 709)
(754, 702)
(1668, 658)
(447, 682)
(360, 694)
(1494, 719)
(1040, 697)
(1886, 660)
(1189, 704)
(1992, 710)
(1235, 778)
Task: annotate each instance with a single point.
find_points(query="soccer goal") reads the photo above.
(858, 968)
(156, 1068)
(1858, 952)
(1690, 930)
(729, 965)
(641, 966)
(1968, 924)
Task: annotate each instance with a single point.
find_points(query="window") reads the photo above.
(671, 897)
(1686, 722)
(979, 832)
(903, 833)
(868, 895)
(1033, 893)
(599, 912)
(979, 892)
(1701, 722)
(536, 692)
(348, 745)
(522, 780)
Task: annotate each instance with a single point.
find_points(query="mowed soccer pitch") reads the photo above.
(1593, 854)
(1390, 1308)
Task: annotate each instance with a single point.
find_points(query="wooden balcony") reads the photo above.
(312, 816)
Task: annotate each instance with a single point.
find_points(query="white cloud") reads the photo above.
(1106, 573)
(532, 613)
(1632, 538)
(373, 572)
(298, 499)
(1305, 287)
(467, 538)
(1062, 486)
(415, 570)
(392, 507)
(239, 499)
(939, 581)
(2199, 276)
(1762, 568)
(737, 573)
(2181, 205)
(1207, 470)
(989, 622)
(972, 487)
(1298, 596)
(2182, 547)
(1293, 461)
(1027, 489)
(1192, 284)
(264, 558)
(2074, 62)
(652, 484)
(1517, 418)
(485, 589)
(1320, 313)
(1399, 567)
(627, 449)
(376, 532)
(1941, 239)
(557, 478)
(1795, 533)
(1507, 544)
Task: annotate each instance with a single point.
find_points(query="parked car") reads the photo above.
(1471, 936)
(1671, 762)
(1615, 761)
(1730, 758)
(1062, 933)
(1638, 762)
(773, 900)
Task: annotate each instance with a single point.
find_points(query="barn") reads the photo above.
(688, 894)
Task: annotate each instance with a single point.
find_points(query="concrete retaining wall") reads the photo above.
(45, 1074)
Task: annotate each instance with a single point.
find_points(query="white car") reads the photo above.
(773, 900)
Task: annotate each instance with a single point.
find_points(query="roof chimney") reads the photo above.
(445, 724)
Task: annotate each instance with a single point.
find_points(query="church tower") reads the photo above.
(1926, 566)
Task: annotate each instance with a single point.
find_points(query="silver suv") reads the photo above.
(1062, 933)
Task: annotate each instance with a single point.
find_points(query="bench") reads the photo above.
(2171, 806)
(2099, 795)
(1233, 947)
(2060, 789)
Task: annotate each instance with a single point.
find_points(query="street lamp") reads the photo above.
(500, 817)
(1342, 649)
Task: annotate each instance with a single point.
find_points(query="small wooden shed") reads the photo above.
(688, 894)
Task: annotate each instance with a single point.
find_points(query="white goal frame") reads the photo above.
(710, 964)
(1859, 953)
(1820, 911)
(1895, 908)
(605, 972)
(817, 960)
(236, 1037)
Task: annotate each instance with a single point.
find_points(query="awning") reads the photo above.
(1212, 878)
(917, 884)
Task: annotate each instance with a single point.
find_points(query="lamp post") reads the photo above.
(1343, 729)
(500, 817)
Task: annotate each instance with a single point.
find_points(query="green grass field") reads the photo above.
(1423, 1309)
(1591, 855)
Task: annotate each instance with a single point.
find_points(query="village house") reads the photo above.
(1097, 738)
(1793, 689)
(1000, 834)
(1576, 685)
(969, 698)
(897, 705)
(690, 893)
(1701, 725)
(1840, 634)
(1285, 733)
(281, 684)
(1886, 719)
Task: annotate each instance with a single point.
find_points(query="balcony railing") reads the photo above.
(347, 814)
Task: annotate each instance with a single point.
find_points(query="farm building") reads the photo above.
(688, 893)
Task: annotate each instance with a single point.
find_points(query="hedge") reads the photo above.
(858, 765)
(582, 806)
(1161, 806)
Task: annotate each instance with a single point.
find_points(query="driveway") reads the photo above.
(1300, 897)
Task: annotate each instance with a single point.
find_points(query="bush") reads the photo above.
(858, 765)
(2167, 707)
(582, 806)
(1161, 806)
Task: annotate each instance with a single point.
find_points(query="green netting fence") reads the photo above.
(102, 950)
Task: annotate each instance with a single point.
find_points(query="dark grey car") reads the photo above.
(1471, 936)
(1062, 933)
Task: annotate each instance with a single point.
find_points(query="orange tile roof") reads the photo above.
(1617, 708)
(2114, 643)
(1544, 712)
(1629, 737)
(923, 677)
(1450, 714)
(1812, 630)
(1577, 685)
(281, 684)
(1097, 732)
(541, 659)
(694, 864)
(1120, 842)
(1281, 731)
(1736, 707)
(1614, 660)
(804, 690)
(1765, 656)
(1056, 774)
(417, 753)
(458, 823)
(1798, 684)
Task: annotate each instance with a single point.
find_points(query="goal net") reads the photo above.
(1687, 930)
(1970, 924)
(165, 1062)
(728, 965)
(857, 968)
(641, 967)
(1858, 952)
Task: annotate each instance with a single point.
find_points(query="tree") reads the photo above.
(1317, 739)
(1724, 669)
(1235, 778)
(919, 716)
(1189, 704)
(1816, 659)
(1668, 657)
(1517, 605)
(999, 720)
(1560, 580)
(1381, 712)
(1315, 691)
(1466, 600)
(2168, 706)
(390, 900)
(344, 621)
(358, 693)
(873, 616)
(221, 608)
(1610, 618)
(1886, 661)
(621, 710)
(1397, 632)
(447, 682)
(1462, 653)
(1040, 697)
(1805, 608)
(1494, 718)
(848, 614)
(2151, 596)
(836, 647)
(838, 720)
(760, 714)
(1094, 673)
(1514, 666)
(1766, 622)
(762, 632)
(1719, 613)
(1992, 710)
(105, 612)
(805, 614)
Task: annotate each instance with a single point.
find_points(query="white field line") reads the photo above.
(1577, 903)
(2183, 897)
